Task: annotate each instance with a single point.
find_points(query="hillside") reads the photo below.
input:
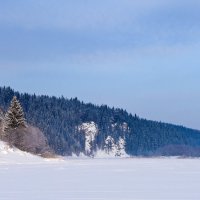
(13, 155)
(65, 123)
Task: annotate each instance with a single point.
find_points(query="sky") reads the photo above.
(139, 55)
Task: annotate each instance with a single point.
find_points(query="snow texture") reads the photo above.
(121, 148)
(24, 176)
(90, 129)
(13, 155)
(112, 148)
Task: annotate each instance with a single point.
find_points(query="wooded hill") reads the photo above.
(60, 119)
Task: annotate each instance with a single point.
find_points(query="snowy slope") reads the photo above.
(13, 155)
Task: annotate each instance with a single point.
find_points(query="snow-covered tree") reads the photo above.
(121, 147)
(90, 130)
(115, 148)
(14, 117)
(110, 147)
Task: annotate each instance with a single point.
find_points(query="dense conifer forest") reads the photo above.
(60, 119)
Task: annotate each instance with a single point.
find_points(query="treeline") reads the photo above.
(59, 119)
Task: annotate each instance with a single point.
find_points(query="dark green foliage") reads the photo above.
(14, 117)
(59, 118)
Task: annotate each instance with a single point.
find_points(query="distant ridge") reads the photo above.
(60, 119)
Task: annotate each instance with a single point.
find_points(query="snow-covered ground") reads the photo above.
(27, 177)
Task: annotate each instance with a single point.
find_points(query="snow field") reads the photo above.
(24, 176)
(100, 179)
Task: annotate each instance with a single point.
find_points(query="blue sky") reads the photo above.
(139, 55)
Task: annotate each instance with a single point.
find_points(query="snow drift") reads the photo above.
(12, 155)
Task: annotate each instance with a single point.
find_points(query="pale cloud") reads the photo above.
(137, 54)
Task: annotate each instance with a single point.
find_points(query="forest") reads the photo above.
(60, 119)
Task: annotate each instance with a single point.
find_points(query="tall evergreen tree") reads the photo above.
(14, 117)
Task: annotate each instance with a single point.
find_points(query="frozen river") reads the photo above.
(100, 179)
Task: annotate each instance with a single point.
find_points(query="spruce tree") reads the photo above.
(14, 117)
